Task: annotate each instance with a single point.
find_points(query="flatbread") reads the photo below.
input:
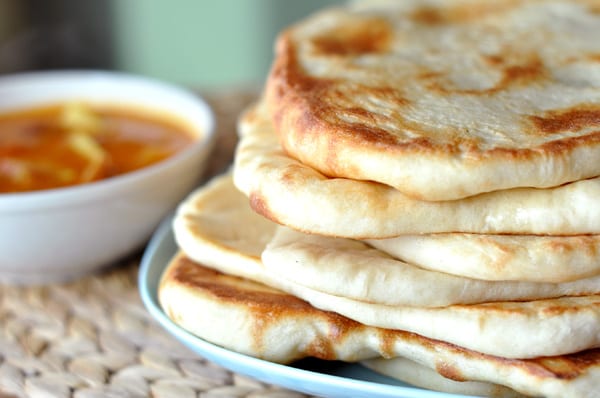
(219, 236)
(251, 318)
(293, 194)
(530, 258)
(207, 229)
(443, 100)
(352, 269)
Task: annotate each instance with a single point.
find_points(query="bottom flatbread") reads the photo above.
(251, 318)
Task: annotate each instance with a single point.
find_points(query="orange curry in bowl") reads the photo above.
(75, 143)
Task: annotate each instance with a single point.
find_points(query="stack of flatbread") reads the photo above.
(416, 189)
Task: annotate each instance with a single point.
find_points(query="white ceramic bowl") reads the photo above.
(59, 234)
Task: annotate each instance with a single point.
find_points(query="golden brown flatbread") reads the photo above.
(442, 99)
(251, 318)
(294, 194)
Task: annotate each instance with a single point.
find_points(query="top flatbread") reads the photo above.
(294, 194)
(443, 100)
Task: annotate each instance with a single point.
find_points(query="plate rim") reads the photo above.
(162, 247)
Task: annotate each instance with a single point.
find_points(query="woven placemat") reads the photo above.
(93, 337)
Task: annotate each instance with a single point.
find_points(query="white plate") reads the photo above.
(311, 376)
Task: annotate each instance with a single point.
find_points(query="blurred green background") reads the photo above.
(198, 43)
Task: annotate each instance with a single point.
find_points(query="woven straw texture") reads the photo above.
(93, 337)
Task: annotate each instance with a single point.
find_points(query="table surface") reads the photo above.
(93, 337)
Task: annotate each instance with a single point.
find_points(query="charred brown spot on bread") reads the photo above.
(559, 310)
(514, 71)
(387, 341)
(571, 119)
(570, 366)
(360, 36)
(234, 289)
(585, 244)
(288, 87)
(573, 59)
(369, 133)
(541, 307)
(522, 73)
(321, 348)
(449, 371)
(196, 276)
(260, 205)
(568, 144)
(339, 327)
(494, 60)
(593, 57)
(291, 173)
(393, 95)
(461, 13)
(502, 252)
(592, 6)
(430, 16)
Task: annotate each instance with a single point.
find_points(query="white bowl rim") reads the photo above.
(96, 190)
